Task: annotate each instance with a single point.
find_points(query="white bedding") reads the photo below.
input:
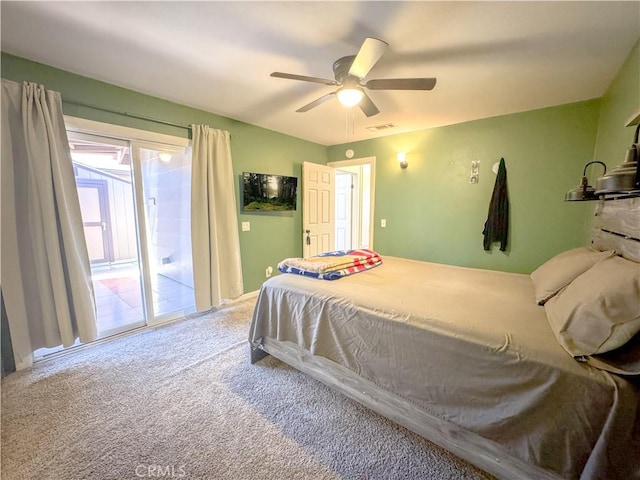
(471, 347)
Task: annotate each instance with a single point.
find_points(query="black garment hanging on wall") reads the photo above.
(496, 228)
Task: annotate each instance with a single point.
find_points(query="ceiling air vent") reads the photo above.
(384, 126)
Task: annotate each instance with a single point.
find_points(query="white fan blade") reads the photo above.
(368, 55)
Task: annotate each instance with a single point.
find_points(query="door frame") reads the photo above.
(136, 139)
(372, 187)
(353, 206)
(105, 215)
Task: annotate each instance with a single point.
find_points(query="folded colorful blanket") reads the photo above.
(332, 265)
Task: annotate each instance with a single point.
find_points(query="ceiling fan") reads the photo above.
(349, 72)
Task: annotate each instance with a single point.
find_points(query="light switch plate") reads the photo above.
(383, 223)
(246, 226)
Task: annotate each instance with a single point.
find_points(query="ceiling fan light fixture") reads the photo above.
(349, 96)
(350, 70)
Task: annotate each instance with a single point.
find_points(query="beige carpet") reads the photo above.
(183, 401)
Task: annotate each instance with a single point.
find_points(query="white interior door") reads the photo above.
(344, 210)
(318, 211)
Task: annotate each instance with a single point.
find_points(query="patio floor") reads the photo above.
(119, 297)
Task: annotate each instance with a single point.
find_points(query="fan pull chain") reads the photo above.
(353, 122)
(346, 124)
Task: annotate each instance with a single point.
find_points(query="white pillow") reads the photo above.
(559, 271)
(600, 310)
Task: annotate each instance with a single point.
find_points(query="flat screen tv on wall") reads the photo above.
(268, 193)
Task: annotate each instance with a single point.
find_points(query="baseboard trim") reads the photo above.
(133, 331)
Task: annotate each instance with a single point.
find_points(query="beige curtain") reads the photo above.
(46, 276)
(217, 268)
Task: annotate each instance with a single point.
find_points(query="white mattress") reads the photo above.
(469, 346)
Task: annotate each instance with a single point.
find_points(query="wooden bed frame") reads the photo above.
(612, 218)
(483, 453)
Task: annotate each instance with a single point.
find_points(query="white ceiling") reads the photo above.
(490, 58)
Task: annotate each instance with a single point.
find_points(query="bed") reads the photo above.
(464, 357)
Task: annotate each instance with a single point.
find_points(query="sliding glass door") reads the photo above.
(135, 203)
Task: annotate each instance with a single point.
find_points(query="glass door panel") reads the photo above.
(103, 172)
(166, 192)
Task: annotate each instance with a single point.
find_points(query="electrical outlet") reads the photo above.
(246, 226)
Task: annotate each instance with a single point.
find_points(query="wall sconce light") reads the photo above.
(584, 191)
(625, 178)
(402, 158)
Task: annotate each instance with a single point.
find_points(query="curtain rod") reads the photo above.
(127, 114)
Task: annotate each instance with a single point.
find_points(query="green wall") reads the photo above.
(272, 237)
(433, 213)
(620, 102)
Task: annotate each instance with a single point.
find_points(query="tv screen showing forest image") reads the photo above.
(268, 193)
